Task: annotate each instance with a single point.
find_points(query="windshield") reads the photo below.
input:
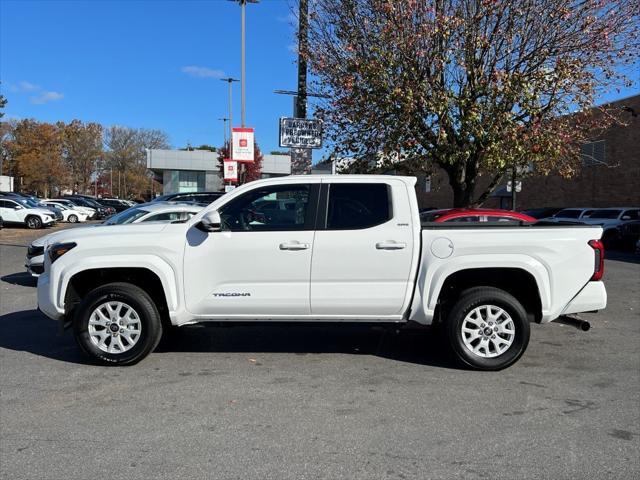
(128, 216)
(432, 216)
(27, 202)
(92, 203)
(568, 213)
(605, 214)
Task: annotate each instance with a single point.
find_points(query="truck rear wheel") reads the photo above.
(488, 328)
(117, 324)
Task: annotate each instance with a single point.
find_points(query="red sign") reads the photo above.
(230, 170)
(242, 145)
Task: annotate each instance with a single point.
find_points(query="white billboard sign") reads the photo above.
(300, 133)
(230, 170)
(242, 145)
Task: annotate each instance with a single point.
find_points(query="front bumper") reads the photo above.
(592, 297)
(46, 298)
(34, 264)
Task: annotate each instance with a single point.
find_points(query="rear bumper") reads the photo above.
(592, 297)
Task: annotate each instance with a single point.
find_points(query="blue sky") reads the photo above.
(153, 64)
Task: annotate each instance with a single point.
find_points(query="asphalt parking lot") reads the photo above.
(318, 402)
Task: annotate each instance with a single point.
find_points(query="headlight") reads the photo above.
(59, 249)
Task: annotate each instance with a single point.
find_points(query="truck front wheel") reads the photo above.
(117, 324)
(488, 328)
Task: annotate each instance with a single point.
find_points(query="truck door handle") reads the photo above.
(390, 245)
(294, 246)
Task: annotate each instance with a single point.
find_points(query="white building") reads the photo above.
(199, 171)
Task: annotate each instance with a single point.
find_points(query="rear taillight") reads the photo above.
(598, 270)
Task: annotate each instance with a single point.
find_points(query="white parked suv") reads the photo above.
(150, 212)
(351, 249)
(16, 211)
(90, 212)
(70, 215)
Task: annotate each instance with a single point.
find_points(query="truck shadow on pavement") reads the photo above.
(31, 331)
(22, 278)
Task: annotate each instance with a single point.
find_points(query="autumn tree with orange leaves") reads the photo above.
(36, 157)
(469, 86)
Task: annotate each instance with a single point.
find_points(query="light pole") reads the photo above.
(230, 80)
(243, 4)
(224, 121)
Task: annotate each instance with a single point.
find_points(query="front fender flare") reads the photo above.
(160, 267)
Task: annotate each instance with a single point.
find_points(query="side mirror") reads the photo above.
(626, 217)
(210, 222)
(18, 207)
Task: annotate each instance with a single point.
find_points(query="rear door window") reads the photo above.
(354, 206)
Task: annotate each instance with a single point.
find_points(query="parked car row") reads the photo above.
(613, 220)
(33, 212)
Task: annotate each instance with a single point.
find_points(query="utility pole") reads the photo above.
(303, 46)
(230, 80)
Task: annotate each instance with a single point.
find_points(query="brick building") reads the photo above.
(610, 174)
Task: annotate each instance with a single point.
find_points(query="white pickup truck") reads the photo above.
(346, 248)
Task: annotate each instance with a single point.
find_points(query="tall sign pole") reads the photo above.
(243, 5)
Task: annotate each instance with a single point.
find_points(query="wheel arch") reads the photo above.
(157, 280)
(518, 282)
(437, 275)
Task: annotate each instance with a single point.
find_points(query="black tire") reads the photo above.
(32, 222)
(72, 218)
(140, 301)
(476, 297)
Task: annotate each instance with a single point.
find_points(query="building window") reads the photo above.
(190, 181)
(593, 153)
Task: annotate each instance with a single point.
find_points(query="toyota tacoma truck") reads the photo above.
(342, 248)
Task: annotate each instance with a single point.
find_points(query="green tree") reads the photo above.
(3, 103)
(469, 86)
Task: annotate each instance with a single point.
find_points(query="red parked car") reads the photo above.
(474, 215)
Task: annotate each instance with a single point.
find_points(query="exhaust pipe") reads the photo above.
(574, 322)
